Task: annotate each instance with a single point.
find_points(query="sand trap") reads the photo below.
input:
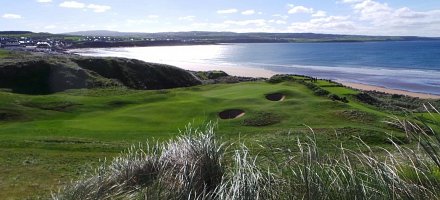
(275, 97)
(231, 114)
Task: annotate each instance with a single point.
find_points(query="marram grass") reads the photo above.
(197, 165)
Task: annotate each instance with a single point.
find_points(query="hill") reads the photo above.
(46, 140)
(36, 74)
(222, 37)
(61, 114)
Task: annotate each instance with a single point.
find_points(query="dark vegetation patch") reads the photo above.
(33, 74)
(207, 75)
(163, 91)
(10, 115)
(262, 119)
(119, 103)
(332, 84)
(215, 77)
(231, 114)
(356, 116)
(394, 102)
(60, 106)
(275, 96)
(137, 74)
(279, 78)
(335, 97)
(63, 141)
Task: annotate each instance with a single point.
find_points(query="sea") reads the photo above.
(405, 65)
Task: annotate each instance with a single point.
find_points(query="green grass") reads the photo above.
(198, 165)
(4, 53)
(47, 140)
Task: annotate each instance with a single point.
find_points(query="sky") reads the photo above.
(361, 17)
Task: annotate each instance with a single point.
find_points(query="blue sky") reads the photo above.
(371, 17)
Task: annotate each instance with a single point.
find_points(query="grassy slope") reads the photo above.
(74, 129)
(4, 53)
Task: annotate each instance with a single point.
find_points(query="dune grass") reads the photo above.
(46, 140)
(197, 165)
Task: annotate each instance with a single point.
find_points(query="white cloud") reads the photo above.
(141, 21)
(99, 8)
(331, 24)
(319, 13)
(299, 9)
(277, 21)
(350, 1)
(386, 20)
(153, 16)
(248, 12)
(187, 18)
(227, 11)
(50, 27)
(255, 22)
(72, 4)
(78, 5)
(11, 16)
(44, 1)
(281, 16)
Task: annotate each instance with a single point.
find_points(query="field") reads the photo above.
(3, 53)
(48, 140)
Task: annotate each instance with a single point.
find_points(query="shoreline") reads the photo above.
(244, 71)
(264, 73)
(366, 87)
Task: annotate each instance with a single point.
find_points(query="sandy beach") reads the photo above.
(388, 90)
(252, 72)
(198, 58)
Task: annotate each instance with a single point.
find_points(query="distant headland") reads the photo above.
(26, 40)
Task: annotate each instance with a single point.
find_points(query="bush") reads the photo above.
(279, 78)
(321, 92)
(335, 97)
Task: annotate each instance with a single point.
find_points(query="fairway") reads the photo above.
(46, 140)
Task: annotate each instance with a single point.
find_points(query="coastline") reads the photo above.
(264, 73)
(366, 87)
(349, 79)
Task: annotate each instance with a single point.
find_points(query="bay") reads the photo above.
(405, 65)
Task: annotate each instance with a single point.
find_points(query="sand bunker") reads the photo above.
(275, 97)
(231, 114)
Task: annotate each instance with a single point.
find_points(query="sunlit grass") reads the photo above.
(198, 165)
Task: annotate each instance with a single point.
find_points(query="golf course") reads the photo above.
(48, 140)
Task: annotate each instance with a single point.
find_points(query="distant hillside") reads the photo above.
(45, 75)
(14, 32)
(251, 37)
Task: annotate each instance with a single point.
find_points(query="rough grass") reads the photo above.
(198, 166)
(109, 120)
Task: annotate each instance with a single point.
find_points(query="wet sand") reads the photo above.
(388, 90)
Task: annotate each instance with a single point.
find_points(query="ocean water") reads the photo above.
(410, 65)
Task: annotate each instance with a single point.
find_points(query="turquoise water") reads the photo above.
(412, 66)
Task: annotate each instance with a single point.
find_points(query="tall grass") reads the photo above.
(197, 165)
